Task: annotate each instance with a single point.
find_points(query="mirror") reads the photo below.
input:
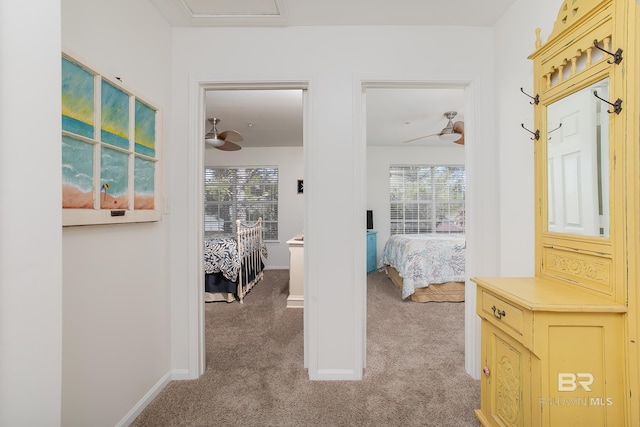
(578, 163)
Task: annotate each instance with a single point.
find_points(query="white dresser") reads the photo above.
(296, 272)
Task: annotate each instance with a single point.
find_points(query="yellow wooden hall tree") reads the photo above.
(561, 348)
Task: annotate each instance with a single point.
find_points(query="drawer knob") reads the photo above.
(497, 313)
(486, 371)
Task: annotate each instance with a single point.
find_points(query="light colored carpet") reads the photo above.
(414, 376)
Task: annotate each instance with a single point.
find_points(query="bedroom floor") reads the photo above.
(254, 377)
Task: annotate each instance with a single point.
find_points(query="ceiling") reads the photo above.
(331, 12)
(274, 117)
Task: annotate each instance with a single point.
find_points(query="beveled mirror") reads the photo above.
(578, 162)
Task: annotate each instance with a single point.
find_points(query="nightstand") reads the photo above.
(372, 251)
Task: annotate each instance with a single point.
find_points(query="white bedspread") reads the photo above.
(422, 260)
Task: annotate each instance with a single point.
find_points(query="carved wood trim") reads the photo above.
(570, 12)
(594, 272)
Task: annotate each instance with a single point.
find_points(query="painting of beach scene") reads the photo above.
(144, 184)
(145, 129)
(110, 149)
(145, 144)
(114, 116)
(114, 183)
(77, 99)
(78, 117)
(77, 174)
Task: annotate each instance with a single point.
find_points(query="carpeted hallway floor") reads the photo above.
(414, 376)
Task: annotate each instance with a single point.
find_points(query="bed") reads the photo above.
(233, 263)
(426, 267)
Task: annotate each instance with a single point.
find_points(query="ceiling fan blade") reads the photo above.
(421, 137)
(229, 146)
(231, 135)
(458, 127)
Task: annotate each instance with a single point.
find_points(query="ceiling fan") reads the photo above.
(453, 132)
(224, 140)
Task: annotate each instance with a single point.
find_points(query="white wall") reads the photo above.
(290, 204)
(378, 161)
(334, 61)
(515, 40)
(30, 215)
(116, 332)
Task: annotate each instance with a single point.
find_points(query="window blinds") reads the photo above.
(427, 199)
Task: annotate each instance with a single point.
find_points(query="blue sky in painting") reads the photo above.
(77, 99)
(145, 129)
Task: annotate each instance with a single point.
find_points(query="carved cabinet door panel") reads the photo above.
(505, 385)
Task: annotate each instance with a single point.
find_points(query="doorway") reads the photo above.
(232, 104)
(419, 107)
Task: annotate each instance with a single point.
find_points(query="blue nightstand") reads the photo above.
(372, 251)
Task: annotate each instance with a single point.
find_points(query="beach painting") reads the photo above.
(145, 129)
(78, 117)
(144, 184)
(145, 144)
(114, 116)
(114, 183)
(110, 149)
(77, 174)
(77, 99)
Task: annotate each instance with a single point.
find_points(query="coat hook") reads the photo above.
(536, 99)
(536, 134)
(553, 130)
(617, 106)
(617, 57)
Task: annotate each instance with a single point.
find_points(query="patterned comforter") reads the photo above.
(422, 260)
(221, 255)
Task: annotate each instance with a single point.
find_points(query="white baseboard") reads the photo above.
(152, 394)
(336, 375)
(275, 267)
(182, 374)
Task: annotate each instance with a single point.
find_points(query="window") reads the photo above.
(110, 150)
(427, 199)
(241, 193)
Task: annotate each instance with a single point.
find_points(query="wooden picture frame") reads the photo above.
(111, 151)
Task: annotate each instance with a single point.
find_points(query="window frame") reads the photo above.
(268, 224)
(138, 161)
(430, 204)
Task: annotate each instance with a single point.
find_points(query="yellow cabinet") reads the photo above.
(506, 366)
(561, 348)
(552, 355)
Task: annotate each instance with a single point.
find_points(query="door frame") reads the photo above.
(195, 204)
(472, 207)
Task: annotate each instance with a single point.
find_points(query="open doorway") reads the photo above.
(265, 125)
(405, 124)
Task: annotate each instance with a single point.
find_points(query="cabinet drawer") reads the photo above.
(500, 311)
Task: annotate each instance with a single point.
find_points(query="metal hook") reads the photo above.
(553, 130)
(536, 134)
(617, 57)
(536, 99)
(617, 106)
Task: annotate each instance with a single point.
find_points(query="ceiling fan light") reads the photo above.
(213, 140)
(451, 136)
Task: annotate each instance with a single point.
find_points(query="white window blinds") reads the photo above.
(245, 193)
(427, 199)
